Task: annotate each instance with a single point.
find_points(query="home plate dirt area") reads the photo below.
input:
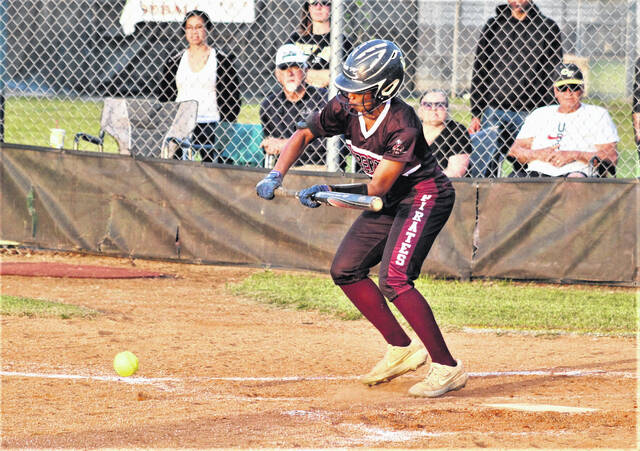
(221, 371)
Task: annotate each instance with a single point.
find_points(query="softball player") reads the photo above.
(384, 135)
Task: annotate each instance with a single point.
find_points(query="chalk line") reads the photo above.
(138, 380)
(527, 407)
(127, 380)
(372, 434)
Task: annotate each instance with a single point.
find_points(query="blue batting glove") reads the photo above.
(306, 195)
(268, 185)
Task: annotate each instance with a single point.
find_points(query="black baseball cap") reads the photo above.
(568, 74)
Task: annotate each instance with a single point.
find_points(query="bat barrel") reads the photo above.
(348, 200)
(338, 199)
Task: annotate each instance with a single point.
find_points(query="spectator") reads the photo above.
(205, 74)
(636, 105)
(560, 140)
(291, 102)
(448, 139)
(314, 39)
(513, 72)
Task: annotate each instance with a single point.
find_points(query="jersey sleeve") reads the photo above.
(330, 121)
(401, 145)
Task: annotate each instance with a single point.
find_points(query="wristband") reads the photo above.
(352, 188)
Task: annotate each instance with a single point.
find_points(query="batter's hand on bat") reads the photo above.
(306, 195)
(268, 185)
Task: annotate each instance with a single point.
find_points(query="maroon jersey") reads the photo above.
(396, 135)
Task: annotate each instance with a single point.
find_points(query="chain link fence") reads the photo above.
(60, 60)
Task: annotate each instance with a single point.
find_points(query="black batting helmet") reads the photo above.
(377, 66)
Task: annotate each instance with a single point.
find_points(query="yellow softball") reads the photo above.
(125, 363)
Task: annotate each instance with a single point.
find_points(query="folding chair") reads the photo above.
(144, 128)
(601, 168)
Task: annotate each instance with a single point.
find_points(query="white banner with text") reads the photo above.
(231, 11)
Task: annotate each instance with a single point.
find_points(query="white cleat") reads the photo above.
(396, 361)
(439, 380)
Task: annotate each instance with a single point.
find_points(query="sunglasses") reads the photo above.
(434, 105)
(572, 88)
(319, 3)
(285, 66)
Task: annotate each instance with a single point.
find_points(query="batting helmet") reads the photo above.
(376, 66)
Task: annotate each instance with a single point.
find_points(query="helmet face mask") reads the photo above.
(376, 66)
(365, 105)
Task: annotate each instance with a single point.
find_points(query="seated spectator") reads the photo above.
(560, 140)
(314, 39)
(448, 139)
(204, 74)
(291, 102)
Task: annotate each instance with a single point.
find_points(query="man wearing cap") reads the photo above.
(291, 102)
(560, 140)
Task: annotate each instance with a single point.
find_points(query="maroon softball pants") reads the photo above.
(399, 240)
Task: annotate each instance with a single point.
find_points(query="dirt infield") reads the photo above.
(218, 371)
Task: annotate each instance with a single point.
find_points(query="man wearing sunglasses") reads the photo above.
(562, 139)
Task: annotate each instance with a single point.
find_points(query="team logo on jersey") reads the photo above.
(398, 147)
(367, 160)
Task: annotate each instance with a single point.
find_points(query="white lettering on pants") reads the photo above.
(410, 234)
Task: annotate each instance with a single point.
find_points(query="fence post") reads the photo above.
(632, 29)
(3, 40)
(579, 31)
(337, 21)
(635, 50)
(637, 26)
(454, 56)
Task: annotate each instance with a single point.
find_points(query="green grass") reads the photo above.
(19, 306)
(479, 304)
(607, 78)
(28, 120)
(297, 291)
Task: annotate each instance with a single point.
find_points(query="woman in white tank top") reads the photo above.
(203, 74)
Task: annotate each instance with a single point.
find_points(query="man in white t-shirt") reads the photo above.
(560, 140)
